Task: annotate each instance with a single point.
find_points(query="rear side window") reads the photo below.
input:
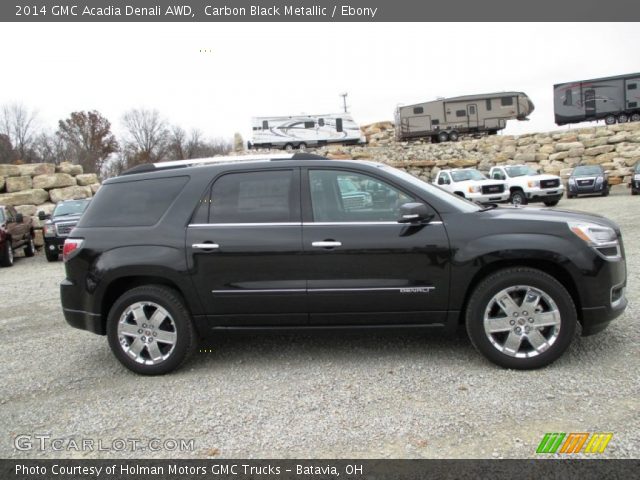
(506, 101)
(254, 197)
(128, 204)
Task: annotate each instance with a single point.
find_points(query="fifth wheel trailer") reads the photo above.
(612, 99)
(448, 118)
(302, 131)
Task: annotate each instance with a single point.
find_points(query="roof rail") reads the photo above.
(228, 158)
(149, 167)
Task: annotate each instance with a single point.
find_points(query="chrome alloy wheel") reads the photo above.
(147, 333)
(522, 321)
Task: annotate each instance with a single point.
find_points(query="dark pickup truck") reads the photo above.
(59, 224)
(16, 232)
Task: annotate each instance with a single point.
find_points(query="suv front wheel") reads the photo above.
(521, 318)
(150, 330)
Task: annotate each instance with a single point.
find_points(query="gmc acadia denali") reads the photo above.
(172, 251)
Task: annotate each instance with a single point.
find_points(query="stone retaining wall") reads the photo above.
(35, 187)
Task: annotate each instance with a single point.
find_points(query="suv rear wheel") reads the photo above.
(521, 318)
(150, 330)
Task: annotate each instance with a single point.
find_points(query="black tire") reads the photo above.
(518, 198)
(605, 192)
(302, 147)
(634, 192)
(635, 117)
(610, 119)
(570, 195)
(623, 118)
(454, 136)
(288, 147)
(443, 137)
(551, 203)
(460, 194)
(177, 323)
(557, 337)
(52, 256)
(30, 248)
(6, 257)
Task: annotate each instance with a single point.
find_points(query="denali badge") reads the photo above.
(417, 289)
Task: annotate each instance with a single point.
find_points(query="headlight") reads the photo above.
(474, 189)
(572, 181)
(534, 183)
(48, 231)
(599, 180)
(603, 239)
(636, 176)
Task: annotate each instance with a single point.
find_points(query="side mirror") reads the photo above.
(414, 213)
(607, 172)
(43, 216)
(19, 218)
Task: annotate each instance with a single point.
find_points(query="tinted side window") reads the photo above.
(568, 98)
(127, 204)
(488, 103)
(461, 113)
(339, 196)
(505, 101)
(632, 86)
(418, 110)
(254, 197)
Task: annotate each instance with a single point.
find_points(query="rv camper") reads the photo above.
(614, 99)
(304, 131)
(448, 118)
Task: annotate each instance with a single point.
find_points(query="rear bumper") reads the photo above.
(75, 315)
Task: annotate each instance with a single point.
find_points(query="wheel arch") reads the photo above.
(544, 265)
(121, 285)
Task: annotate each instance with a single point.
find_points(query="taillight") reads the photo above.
(70, 245)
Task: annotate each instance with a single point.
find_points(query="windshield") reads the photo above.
(455, 201)
(520, 171)
(73, 207)
(588, 170)
(463, 175)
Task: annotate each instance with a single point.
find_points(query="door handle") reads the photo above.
(205, 246)
(326, 244)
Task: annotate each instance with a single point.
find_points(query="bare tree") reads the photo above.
(18, 123)
(88, 138)
(50, 148)
(7, 154)
(147, 136)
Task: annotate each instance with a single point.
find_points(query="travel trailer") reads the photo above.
(612, 99)
(304, 131)
(449, 118)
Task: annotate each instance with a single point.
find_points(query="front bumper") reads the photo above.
(488, 198)
(596, 319)
(54, 244)
(544, 193)
(595, 188)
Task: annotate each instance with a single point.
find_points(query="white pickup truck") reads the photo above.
(472, 185)
(527, 185)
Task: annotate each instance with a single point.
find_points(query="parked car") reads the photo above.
(59, 224)
(527, 185)
(471, 184)
(16, 231)
(164, 254)
(588, 179)
(635, 180)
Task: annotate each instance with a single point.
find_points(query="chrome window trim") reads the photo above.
(299, 224)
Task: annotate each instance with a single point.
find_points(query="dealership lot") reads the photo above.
(331, 395)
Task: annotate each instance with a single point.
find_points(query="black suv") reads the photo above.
(171, 251)
(588, 179)
(58, 225)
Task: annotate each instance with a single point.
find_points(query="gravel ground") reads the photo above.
(326, 396)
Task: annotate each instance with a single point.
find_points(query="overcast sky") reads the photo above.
(262, 69)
